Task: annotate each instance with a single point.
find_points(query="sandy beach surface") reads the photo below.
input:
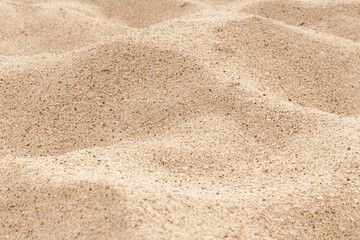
(179, 119)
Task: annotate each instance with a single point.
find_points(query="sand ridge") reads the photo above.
(179, 119)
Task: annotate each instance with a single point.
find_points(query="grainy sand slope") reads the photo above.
(179, 119)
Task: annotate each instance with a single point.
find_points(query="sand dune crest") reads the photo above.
(340, 19)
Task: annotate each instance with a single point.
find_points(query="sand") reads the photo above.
(179, 119)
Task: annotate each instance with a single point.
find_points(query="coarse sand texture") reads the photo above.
(179, 119)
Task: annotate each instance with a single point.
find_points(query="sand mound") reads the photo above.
(144, 13)
(341, 19)
(105, 95)
(56, 205)
(114, 94)
(46, 207)
(294, 66)
(118, 92)
(28, 29)
(140, 120)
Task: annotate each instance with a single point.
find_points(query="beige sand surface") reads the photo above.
(179, 119)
